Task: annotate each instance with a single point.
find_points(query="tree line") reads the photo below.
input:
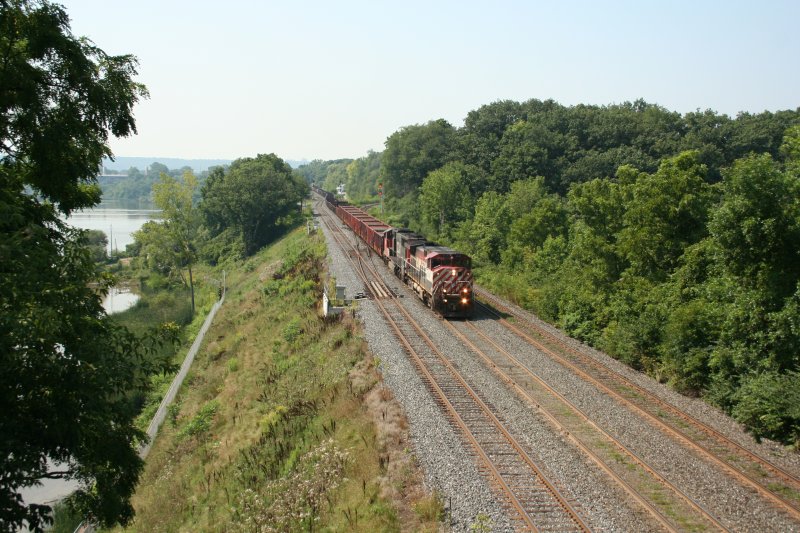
(136, 186)
(669, 241)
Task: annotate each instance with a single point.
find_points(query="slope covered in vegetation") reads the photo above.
(275, 428)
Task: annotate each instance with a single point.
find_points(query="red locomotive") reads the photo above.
(441, 276)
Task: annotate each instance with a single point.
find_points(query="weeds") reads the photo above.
(201, 422)
(430, 508)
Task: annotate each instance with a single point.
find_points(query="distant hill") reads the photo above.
(122, 163)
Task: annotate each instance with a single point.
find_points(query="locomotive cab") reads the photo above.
(451, 277)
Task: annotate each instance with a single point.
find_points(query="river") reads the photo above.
(117, 220)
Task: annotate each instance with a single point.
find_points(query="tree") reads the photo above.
(97, 242)
(172, 243)
(445, 197)
(535, 216)
(483, 129)
(530, 149)
(363, 177)
(666, 212)
(253, 200)
(413, 152)
(489, 227)
(757, 225)
(65, 368)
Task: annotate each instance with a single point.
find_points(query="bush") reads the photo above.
(769, 404)
(293, 330)
(201, 422)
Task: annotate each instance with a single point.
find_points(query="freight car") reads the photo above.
(440, 276)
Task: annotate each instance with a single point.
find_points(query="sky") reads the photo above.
(333, 79)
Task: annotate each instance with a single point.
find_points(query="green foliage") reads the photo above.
(769, 404)
(201, 422)
(694, 283)
(445, 198)
(757, 225)
(482, 524)
(97, 243)
(489, 228)
(61, 97)
(430, 508)
(292, 330)
(326, 174)
(135, 188)
(530, 149)
(255, 199)
(66, 518)
(62, 360)
(363, 177)
(536, 216)
(413, 152)
(665, 212)
(171, 244)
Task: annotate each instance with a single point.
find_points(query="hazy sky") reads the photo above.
(333, 79)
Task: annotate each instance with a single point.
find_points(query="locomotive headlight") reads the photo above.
(454, 272)
(465, 290)
(465, 301)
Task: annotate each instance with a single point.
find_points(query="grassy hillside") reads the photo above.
(283, 423)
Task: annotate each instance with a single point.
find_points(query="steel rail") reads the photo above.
(777, 499)
(498, 424)
(658, 515)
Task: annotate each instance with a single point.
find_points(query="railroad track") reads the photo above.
(769, 481)
(668, 505)
(537, 503)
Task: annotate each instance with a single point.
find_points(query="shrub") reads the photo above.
(201, 422)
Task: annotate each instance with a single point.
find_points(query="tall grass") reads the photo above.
(275, 427)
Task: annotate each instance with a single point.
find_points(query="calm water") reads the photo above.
(119, 299)
(117, 221)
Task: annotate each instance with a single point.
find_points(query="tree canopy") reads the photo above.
(252, 200)
(65, 369)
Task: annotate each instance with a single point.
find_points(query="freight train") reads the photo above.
(440, 276)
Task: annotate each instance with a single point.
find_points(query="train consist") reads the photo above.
(441, 276)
